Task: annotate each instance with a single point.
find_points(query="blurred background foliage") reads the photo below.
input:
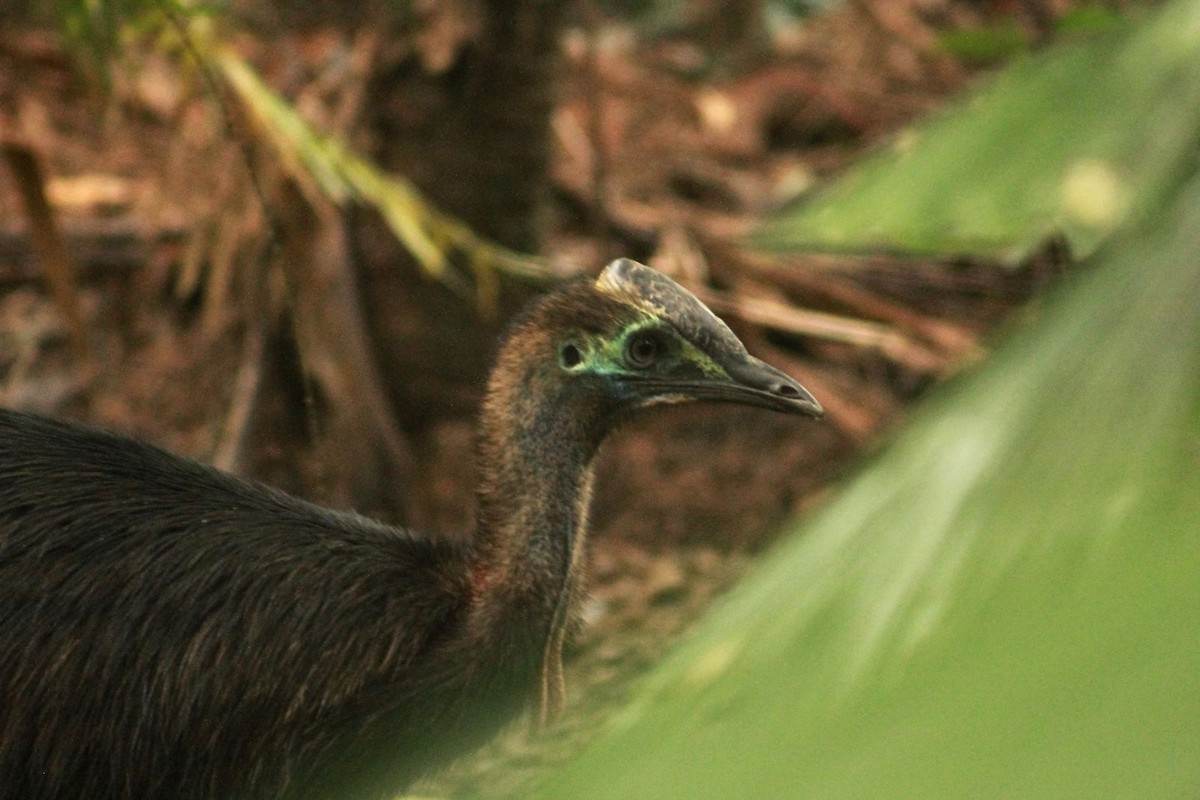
(199, 34)
(1057, 144)
(1004, 603)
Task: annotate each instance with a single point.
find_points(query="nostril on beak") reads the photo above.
(785, 389)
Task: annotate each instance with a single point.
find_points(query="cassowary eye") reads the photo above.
(570, 355)
(643, 350)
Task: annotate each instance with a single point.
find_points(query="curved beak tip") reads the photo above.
(800, 399)
(788, 394)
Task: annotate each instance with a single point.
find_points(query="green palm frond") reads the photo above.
(99, 29)
(1073, 141)
(429, 234)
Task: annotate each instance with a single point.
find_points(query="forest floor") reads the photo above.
(670, 140)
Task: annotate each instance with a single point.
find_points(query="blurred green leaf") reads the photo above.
(985, 44)
(1075, 140)
(1005, 604)
(1089, 19)
(318, 162)
(312, 158)
(96, 31)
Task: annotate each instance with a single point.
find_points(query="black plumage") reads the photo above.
(170, 631)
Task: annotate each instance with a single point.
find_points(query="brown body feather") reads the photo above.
(168, 631)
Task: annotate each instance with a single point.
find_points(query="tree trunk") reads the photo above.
(475, 137)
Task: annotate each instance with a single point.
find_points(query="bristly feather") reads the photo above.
(217, 618)
(168, 631)
(172, 631)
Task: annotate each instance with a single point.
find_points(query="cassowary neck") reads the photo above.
(536, 443)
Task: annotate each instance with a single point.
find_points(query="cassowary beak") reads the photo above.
(750, 382)
(756, 383)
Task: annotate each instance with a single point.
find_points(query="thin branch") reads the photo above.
(60, 272)
(273, 225)
(860, 333)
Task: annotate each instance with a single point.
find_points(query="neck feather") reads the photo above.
(536, 447)
(537, 440)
